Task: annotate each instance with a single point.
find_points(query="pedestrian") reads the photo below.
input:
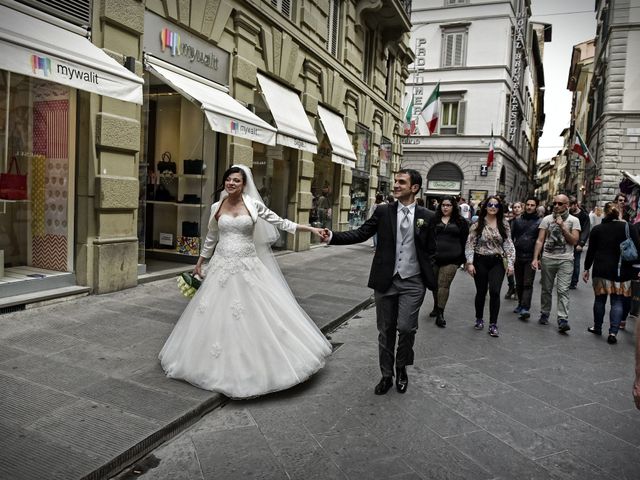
(621, 200)
(636, 383)
(595, 217)
(420, 201)
(585, 228)
(611, 275)
(378, 201)
(488, 248)
(524, 233)
(516, 211)
(465, 210)
(541, 211)
(400, 272)
(557, 235)
(243, 334)
(450, 232)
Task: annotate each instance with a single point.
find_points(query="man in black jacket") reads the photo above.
(585, 225)
(524, 233)
(400, 272)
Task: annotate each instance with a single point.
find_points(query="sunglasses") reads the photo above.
(559, 204)
(493, 205)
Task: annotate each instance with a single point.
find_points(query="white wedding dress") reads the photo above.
(243, 334)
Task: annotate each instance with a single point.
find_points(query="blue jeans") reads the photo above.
(576, 267)
(615, 313)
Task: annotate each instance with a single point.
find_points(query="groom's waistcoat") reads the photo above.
(407, 264)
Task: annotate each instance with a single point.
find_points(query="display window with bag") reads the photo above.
(37, 131)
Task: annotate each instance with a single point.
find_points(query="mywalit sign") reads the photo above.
(66, 72)
(175, 45)
(35, 48)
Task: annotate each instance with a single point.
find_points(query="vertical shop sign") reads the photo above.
(516, 74)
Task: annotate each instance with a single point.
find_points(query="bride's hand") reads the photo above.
(319, 232)
(197, 270)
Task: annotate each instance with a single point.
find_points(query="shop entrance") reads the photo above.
(177, 171)
(444, 179)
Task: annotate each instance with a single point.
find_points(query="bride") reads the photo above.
(243, 334)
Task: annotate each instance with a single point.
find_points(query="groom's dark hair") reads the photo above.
(414, 176)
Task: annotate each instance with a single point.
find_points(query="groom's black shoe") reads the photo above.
(402, 380)
(383, 386)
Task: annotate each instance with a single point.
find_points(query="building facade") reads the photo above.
(614, 99)
(308, 94)
(486, 57)
(579, 83)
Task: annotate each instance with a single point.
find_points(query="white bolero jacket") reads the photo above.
(256, 209)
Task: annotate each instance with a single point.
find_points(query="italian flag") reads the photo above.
(409, 125)
(430, 112)
(580, 148)
(491, 151)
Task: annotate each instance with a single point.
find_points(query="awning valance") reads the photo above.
(342, 149)
(35, 48)
(294, 129)
(224, 113)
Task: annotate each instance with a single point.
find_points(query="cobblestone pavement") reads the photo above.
(531, 404)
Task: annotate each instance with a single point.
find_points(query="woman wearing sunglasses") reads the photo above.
(488, 248)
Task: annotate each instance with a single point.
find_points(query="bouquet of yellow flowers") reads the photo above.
(188, 284)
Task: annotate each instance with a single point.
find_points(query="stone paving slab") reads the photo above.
(82, 391)
(530, 404)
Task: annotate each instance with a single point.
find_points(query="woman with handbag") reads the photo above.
(611, 275)
(450, 231)
(489, 253)
(243, 334)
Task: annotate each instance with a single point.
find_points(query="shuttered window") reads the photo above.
(333, 27)
(452, 117)
(283, 6)
(77, 12)
(454, 48)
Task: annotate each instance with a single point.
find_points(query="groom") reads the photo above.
(400, 272)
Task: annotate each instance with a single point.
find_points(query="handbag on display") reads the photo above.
(163, 194)
(193, 167)
(13, 186)
(166, 165)
(190, 229)
(191, 198)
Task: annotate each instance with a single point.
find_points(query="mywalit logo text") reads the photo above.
(43, 64)
(243, 129)
(170, 40)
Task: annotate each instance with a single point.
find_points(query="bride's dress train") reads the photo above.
(243, 334)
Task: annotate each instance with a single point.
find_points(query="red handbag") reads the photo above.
(13, 186)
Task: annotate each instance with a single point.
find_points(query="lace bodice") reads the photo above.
(236, 237)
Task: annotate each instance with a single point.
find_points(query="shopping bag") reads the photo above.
(13, 186)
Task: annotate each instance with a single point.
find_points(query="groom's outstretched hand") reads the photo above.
(325, 235)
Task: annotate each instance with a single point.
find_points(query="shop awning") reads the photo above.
(294, 129)
(35, 48)
(342, 149)
(224, 113)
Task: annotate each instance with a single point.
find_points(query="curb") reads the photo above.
(127, 458)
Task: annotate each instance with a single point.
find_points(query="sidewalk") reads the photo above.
(531, 404)
(82, 392)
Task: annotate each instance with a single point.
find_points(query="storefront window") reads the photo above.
(37, 121)
(362, 147)
(321, 214)
(271, 175)
(359, 197)
(384, 168)
(176, 168)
